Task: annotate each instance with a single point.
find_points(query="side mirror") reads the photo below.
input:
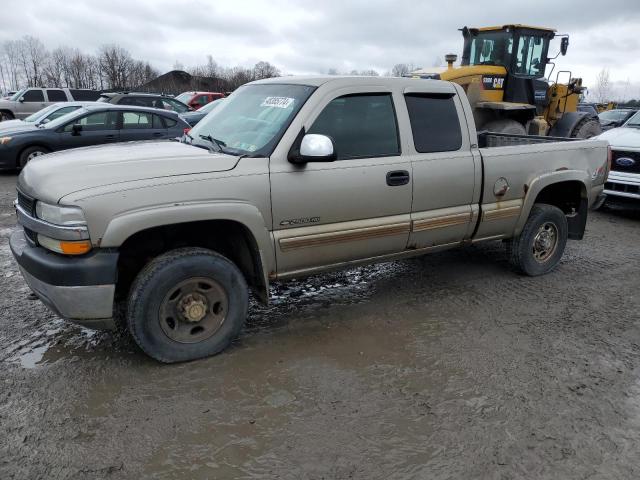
(46, 120)
(21, 99)
(564, 45)
(76, 129)
(314, 148)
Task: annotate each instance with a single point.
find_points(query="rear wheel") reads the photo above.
(540, 245)
(29, 154)
(586, 128)
(188, 303)
(505, 125)
(6, 116)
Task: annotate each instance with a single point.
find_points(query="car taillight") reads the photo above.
(609, 160)
(186, 131)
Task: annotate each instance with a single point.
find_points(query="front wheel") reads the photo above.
(29, 154)
(186, 304)
(539, 247)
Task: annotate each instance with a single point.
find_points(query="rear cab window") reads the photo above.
(434, 122)
(55, 95)
(360, 125)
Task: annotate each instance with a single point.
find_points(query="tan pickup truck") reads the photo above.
(289, 177)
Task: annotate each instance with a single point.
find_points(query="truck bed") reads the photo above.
(488, 139)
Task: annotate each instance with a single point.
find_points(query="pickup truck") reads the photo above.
(287, 178)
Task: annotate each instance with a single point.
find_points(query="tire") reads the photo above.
(505, 125)
(587, 128)
(195, 322)
(29, 154)
(6, 116)
(524, 250)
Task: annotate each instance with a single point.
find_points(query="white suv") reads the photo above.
(29, 100)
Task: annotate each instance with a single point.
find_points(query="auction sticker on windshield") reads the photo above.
(278, 102)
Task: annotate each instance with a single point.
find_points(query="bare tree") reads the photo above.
(603, 86)
(115, 65)
(400, 70)
(369, 73)
(265, 70)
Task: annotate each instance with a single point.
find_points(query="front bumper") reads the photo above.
(79, 289)
(621, 184)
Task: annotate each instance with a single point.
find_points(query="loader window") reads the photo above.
(492, 48)
(529, 56)
(434, 122)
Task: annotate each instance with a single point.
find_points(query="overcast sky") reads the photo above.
(301, 36)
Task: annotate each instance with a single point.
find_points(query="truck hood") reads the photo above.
(55, 175)
(622, 137)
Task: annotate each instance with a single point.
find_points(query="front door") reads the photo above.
(356, 207)
(96, 128)
(31, 101)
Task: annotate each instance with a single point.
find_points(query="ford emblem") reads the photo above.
(625, 162)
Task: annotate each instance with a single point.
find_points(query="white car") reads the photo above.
(44, 115)
(624, 177)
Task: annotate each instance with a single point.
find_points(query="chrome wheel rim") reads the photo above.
(545, 242)
(33, 155)
(193, 310)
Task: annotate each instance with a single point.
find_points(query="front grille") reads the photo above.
(621, 187)
(27, 203)
(630, 164)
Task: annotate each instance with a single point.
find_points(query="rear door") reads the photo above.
(136, 125)
(97, 128)
(355, 207)
(55, 95)
(445, 172)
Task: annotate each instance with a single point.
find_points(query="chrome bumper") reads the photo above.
(620, 184)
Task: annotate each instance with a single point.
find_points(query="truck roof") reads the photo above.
(346, 80)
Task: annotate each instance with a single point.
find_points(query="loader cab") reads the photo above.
(522, 51)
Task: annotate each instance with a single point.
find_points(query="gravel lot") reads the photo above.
(446, 366)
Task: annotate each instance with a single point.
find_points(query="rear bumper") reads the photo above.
(77, 289)
(620, 184)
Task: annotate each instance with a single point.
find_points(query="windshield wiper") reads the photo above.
(218, 143)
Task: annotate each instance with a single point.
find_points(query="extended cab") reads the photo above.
(288, 177)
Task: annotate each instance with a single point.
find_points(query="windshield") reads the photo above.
(613, 115)
(633, 121)
(34, 117)
(210, 106)
(65, 118)
(18, 94)
(252, 120)
(492, 48)
(184, 97)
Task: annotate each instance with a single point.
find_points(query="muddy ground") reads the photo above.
(446, 366)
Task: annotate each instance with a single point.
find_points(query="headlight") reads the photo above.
(60, 215)
(4, 140)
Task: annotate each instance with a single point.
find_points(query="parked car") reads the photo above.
(90, 125)
(192, 118)
(291, 177)
(615, 118)
(623, 182)
(31, 100)
(45, 115)
(151, 100)
(198, 100)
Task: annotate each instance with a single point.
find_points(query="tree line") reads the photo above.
(26, 62)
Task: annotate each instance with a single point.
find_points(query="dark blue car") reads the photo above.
(90, 125)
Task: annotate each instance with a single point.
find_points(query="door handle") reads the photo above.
(110, 137)
(397, 178)
(158, 134)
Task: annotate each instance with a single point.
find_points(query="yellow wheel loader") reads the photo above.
(503, 72)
